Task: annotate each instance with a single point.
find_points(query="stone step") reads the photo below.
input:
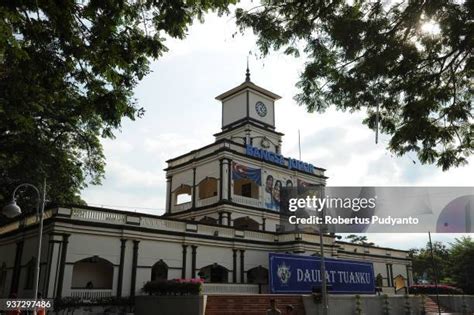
(251, 304)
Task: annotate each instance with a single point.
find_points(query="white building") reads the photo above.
(221, 222)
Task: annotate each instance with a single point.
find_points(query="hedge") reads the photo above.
(173, 287)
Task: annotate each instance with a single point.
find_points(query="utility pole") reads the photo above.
(324, 292)
(435, 273)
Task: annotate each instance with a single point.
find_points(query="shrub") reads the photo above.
(173, 287)
(431, 289)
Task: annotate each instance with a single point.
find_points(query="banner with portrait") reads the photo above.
(272, 189)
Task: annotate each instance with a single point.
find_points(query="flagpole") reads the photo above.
(435, 273)
(299, 143)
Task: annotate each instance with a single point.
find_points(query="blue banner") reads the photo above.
(240, 171)
(299, 274)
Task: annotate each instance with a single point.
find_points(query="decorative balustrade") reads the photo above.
(90, 294)
(95, 215)
(207, 201)
(247, 201)
(182, 207)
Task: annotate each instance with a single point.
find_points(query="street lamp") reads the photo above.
(12, 210)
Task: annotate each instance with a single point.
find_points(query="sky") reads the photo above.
(182, 115)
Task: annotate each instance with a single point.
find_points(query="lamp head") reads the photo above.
(11, 210)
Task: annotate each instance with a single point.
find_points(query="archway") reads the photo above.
(207, 188)
(257, 275)
(182, 194)
(214, 273)
(246, 223)
(159, 271)
(92, 273)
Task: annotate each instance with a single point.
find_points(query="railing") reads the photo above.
(94, 215)
(91, 293)
(182, 207)
(207, 201)
(229, 288)
(247, 201)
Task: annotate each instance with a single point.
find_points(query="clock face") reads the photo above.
(261, 109)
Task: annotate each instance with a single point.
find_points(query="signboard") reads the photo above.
(299, 274)
(269, 156)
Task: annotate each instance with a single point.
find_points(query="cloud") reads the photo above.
(182, 115)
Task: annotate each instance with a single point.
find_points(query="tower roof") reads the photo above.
(247, 85)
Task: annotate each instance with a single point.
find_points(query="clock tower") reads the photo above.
(248, 116)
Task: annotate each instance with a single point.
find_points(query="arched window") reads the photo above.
(246, 188)
(257, 275)
(92, 273)
(246, 223)
(208, 220)
(182, 194)
(30, 273)
(214, 273)
(208, 188)
(159, 271)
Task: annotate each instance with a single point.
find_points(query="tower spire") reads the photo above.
(247, 73)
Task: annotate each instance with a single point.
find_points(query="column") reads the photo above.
(229, 179)
(242, 266)
(134, 268)
(234, 264)
(225, 179)
(409, 276)
(183, 268)
(169, 181)
(220, 177)
(62, 264)
(263, 223)
(193, 261)
(122, 259)
(220, 218)
(52, 268)
(17, 267)
(229, 218)
(193, 197)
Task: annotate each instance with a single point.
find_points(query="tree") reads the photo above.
(462, 262)
(67, 73)
(356, 239)
(427, 268)
(411, 60)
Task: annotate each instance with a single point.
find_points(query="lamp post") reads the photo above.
(12, 210)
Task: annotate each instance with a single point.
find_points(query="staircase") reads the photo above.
(431, 307)
(251, 304)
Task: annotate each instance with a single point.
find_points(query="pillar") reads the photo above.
(193, 261)
(134, 268)
(169, 181)
(62, 265)
(242, 266)
(122, 260)
(234, 266)
(183, 268)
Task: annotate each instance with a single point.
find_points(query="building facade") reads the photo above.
(222, 220)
